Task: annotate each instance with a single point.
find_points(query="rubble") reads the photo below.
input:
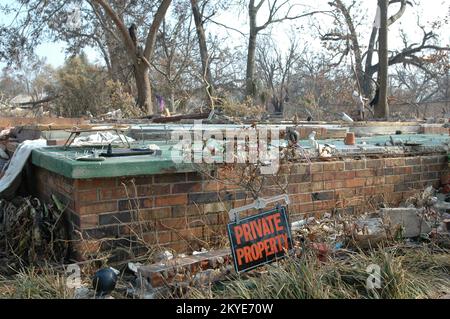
(33, 231)
(368, 233)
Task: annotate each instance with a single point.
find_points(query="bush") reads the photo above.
(81, 87)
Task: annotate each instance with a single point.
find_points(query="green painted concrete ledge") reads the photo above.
(61, 162)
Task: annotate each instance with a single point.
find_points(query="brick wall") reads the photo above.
(188, 211)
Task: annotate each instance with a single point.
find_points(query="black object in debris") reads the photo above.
(109, 150)
(292, 135)
(309, 118)
(398, 132)
(104, 281)
(127, 152)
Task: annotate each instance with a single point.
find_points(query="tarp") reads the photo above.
(8, 183)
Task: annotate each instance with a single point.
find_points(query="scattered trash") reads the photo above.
(368, 233)
(346, 118)
(312, 140)
(163, 256)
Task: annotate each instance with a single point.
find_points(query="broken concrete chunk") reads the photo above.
(410, 219)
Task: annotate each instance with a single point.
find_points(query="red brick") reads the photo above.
(345, 175)
(157, 237)
(306, 208)
(150, 190)
(301, 198)
(394, 179)
(87, 196)
(316, 167)
(169, 178)
(355, 164)
(186, 188)
(365, 173)
(324, 205)
(104, 207)
(89, 221)
(112, 193)
(317, 177)
(374, 163)
(391, 162)
(293, 188)
(187, 234)
(302, 178)
(156, 213)
(172, 223)
(377, 180)
(316, 186)
(171, 200)
(211, 187)
(333, 185)
(95, 183)
(355, 182)
(436, 168)
(333, 167)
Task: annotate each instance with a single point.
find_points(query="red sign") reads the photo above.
(260, 239)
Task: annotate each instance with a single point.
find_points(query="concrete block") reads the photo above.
(409, 218)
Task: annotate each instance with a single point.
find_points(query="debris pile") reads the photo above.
(32, 231)
(171, 275)
(425, 218)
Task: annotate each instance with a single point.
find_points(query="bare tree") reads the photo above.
(175, 54)
(276, 69)
(138, 56)
(346, 37)
(200, 19)
(278, 11)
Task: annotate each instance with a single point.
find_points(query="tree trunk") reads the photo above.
(206, 71)
(382, 107)
(250, 76)
(367, 85)
(144, 89)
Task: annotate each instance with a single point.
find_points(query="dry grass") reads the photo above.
(405, 273)
(31, 283)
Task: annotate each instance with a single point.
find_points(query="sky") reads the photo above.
(427, 11)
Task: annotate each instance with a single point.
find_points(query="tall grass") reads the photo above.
(405, 273)
(31, 283)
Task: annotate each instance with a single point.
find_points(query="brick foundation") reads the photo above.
(186, 211)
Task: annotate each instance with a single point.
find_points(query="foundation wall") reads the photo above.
(187, 211)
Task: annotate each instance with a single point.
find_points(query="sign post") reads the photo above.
(259, 239)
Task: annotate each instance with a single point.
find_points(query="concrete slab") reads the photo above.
(409, 218)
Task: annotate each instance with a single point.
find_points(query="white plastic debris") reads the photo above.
(312, 140)
(346, 118)
(134, 267)
(101, 138)
(202, 251)
(153, 147)
(18, 160)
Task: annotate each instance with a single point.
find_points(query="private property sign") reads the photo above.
(259, 239)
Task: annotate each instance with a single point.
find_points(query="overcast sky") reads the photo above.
(426, 10)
